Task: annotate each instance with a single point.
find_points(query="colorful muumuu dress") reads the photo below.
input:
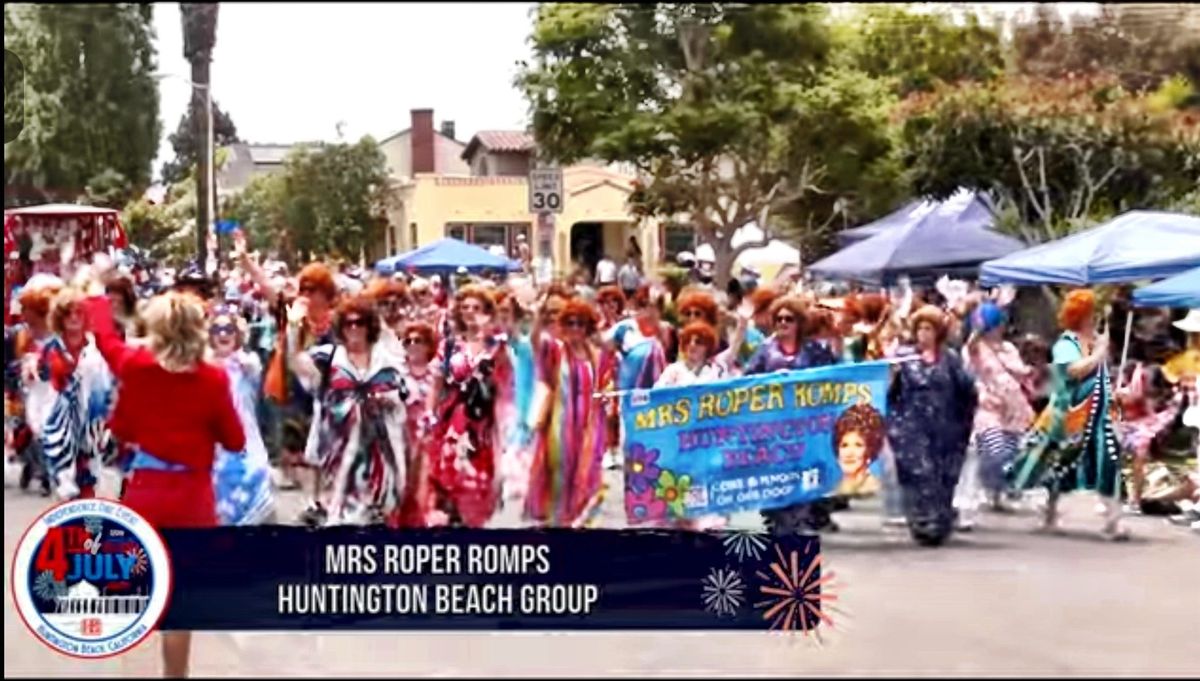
(74, 436)
(565, 477)
(1073, 443)
(359, 435)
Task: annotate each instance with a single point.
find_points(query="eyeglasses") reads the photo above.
(413, 340)
(785, 319)
(352, 322)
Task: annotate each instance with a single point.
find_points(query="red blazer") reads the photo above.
(177, 417)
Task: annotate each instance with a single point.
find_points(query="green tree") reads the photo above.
(330, 200)
(91, 102)
(713, 104)
(1141, 44)
(187, 145)
(1059, 151)
(916, 50)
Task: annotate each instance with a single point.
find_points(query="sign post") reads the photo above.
(545, 199)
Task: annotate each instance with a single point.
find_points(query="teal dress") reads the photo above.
(1073, 443)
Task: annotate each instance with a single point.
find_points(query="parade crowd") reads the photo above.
(418, 401)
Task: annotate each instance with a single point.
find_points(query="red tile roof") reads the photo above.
(500, 140)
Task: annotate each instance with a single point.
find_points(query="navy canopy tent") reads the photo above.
(951, 237)
(445, 256)
(1181, 290)
(971, 204)
(1136, 245)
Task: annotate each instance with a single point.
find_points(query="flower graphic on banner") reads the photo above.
(673, 490)
(795, 598)
(723, 591)
(644, 506)
(641, 469)
(745, 544)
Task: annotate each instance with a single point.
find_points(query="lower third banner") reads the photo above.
(256, 578)
(755, 442)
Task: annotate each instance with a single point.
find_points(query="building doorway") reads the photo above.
(587, 245)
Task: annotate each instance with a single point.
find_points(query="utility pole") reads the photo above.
(199, 37)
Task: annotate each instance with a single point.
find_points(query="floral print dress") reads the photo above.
(464, 438)
(931, 409)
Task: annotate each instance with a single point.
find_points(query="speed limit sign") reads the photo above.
(546, 190)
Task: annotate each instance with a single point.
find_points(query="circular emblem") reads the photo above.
(91, 578)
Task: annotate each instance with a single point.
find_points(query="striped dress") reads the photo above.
(242, 480)
(74, 436)
(565, 479)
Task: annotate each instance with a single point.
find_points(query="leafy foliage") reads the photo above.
(91, 102)
(1142, 45)
(187, 145)
(329, 199)
(1060, 151)
(723, 109)
(915, 51)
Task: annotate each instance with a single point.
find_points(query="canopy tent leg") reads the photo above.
(1125, 348)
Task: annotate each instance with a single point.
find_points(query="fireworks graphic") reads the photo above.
(140, 563)
(745, 544)
(46, 587)
(723, 591)
(796, 600)
(94, 526)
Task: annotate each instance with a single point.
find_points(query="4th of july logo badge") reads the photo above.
(91, 578)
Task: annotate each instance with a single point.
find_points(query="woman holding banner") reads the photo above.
(785, 350)
(932, 403)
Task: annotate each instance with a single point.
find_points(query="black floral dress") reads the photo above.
(931, 407)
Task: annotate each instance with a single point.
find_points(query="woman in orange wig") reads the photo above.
(1073, 444)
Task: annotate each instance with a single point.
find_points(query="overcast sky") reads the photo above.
(291, 72)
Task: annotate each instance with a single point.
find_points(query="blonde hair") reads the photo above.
(176, 330)
(61, 305)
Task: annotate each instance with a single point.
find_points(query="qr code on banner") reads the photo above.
(696, 497)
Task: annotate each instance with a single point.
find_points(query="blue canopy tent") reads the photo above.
(951, 237)
(445, 256)
(1181, 290)
(1137, 245)
(971, 203)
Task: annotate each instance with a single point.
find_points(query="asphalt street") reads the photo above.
(1001, 600)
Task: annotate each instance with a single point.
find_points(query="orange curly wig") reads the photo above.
(701, 300)
(1078, 307)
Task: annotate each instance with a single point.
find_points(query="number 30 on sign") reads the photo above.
(545, 190)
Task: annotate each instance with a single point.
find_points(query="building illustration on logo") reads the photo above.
(85, 599)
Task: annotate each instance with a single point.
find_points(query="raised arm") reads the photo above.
(110, 344)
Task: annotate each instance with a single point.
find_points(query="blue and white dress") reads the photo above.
(242, 480)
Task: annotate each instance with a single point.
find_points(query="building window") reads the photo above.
(490, 235)
(460, 232)
(412, 235)
(486, 235)
(676, 239)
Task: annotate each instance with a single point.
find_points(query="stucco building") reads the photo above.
(478, 192)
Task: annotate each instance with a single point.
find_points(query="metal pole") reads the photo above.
(211, 152)
(1125, 348)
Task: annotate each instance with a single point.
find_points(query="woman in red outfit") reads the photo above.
(177, 409)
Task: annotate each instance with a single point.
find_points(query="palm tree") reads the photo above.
(199, 37)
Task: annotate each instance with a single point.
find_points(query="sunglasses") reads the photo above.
(389, 302)
(471, 308)
(573, 323)
(785, 319)
(692, 313)
(307, 290)
(223, 330)
(413, 340)
(353, 322)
